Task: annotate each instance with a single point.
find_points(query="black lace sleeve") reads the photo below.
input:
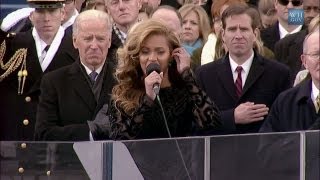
(128, 127)
(205, 111)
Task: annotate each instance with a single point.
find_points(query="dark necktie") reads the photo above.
(317, 103)
(238, 82)
(93, 75)
(44, 53)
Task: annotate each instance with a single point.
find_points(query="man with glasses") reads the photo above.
(282, 28)
(298, 108)
(289, 49)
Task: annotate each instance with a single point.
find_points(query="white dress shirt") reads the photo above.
(283, 32)
(245, 68)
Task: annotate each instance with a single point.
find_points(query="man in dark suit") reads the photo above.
(298, 108)
(289, 49)
(42, 49)
(280, 29)
(124, 16)
(74, 94)
(243, 84)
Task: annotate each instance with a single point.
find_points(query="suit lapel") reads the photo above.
(65, 55)
(33, 65)
(256, 70)
(66, 51)
(81, 87)
(225, 76)
(107, 86)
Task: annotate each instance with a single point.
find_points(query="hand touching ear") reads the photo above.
(182, 57)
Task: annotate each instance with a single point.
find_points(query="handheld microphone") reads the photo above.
(156, 67)
(150, 68)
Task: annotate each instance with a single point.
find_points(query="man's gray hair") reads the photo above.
(91, 14)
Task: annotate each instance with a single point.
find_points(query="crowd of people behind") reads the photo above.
(80, 70)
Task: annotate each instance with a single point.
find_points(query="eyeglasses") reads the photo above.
(315, 56)
(294, 2)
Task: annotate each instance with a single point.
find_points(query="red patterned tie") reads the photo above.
(238, 82)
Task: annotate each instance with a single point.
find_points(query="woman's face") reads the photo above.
(217, 25)
(155, 49)
(190, 26)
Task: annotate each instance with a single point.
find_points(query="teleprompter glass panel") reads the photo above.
(255, 156)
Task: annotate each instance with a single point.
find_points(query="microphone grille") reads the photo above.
(153, 67)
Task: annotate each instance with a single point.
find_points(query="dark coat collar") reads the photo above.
(225, 74)
(304, 91)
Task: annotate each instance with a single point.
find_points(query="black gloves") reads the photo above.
(100, 127)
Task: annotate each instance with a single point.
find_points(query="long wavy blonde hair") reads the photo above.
(130, 88)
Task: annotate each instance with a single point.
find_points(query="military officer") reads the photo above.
(24, 58)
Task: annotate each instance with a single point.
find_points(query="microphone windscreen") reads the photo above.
(153, 67)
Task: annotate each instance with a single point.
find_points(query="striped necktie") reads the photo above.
(238, 82)
(93, 76)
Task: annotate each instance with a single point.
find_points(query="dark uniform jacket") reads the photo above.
(18, 112)
(266, 79)
(293, 110)
(68, 101)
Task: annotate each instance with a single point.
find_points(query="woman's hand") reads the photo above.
(182, 58)
(150, 80)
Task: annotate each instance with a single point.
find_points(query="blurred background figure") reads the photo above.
(80, 5)
(271, 35)
(196, 2)
(267, 13)
(195, 29)
(71, 14)
(150, 4)
(174, 3)
(124, 14)
(170, 17)
(311, 9)
(143, 15)
(96, 4)
(205, 4)
(289, 49)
